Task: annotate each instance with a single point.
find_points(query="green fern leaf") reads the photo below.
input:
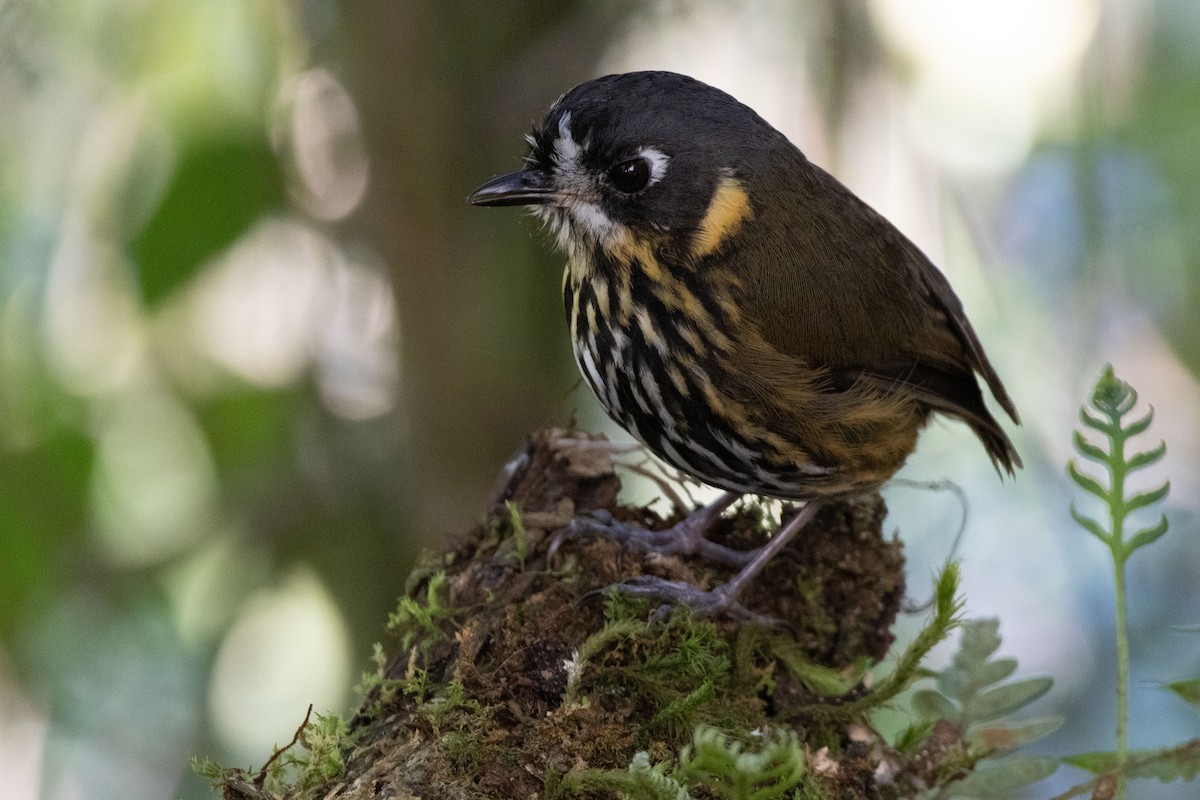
(1146, 458)
(1000, 778)
(1188, 689)
(1089, 450)
(933, 705)
(1181, 762)
(995, 671)
(1002, 700)
(1090, 525)
(1147, 498)
(992, 739)
(1087, 483)
(1147, 535)
(1095, 423)
(1141, 426)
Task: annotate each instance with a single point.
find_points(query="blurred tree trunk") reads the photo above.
(446, 90)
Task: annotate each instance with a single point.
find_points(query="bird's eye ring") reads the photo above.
(629, 176)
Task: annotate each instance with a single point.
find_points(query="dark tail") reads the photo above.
(999, 447)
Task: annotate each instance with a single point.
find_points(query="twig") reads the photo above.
(660, 481)
(261, 778)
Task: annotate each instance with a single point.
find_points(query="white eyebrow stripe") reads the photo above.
(658, 163)
(566, 149)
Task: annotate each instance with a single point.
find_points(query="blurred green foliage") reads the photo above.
(182, 320)
(218, 190)
(157, 481)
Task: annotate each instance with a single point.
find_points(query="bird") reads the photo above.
(739, 310)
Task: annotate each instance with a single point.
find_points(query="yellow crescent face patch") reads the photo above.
(728, 209)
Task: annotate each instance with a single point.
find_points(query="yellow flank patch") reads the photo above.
(728, 209)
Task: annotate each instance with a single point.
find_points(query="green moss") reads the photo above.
(420, 620)
(515, 671)
(518, 532)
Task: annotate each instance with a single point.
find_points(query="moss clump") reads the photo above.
(520, 674)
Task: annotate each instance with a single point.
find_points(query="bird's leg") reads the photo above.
(685, 537)
(724, 597)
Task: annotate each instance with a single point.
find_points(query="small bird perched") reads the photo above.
(740, 311)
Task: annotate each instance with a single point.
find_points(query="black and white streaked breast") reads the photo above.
(653, 369)
(652, 374)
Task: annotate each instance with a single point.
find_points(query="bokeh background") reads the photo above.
(256, 350)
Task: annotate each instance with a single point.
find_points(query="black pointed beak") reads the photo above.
(524, 188)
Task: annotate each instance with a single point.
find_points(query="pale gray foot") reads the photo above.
(724, 598)
(684, 538)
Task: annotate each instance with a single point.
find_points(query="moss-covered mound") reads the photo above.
(517, 672)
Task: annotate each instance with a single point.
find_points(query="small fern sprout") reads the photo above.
(1111, 401)
(1114, 399)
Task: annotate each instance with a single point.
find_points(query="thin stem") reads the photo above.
(1117, 543)
(1122, 675)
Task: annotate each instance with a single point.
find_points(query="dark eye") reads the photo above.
(630, 175)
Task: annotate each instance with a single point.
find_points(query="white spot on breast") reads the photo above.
(649, 384)
(601, 289)
(689, 335)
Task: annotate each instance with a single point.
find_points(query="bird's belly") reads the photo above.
(663, 397)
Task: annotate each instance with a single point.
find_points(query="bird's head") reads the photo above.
(640, 159)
